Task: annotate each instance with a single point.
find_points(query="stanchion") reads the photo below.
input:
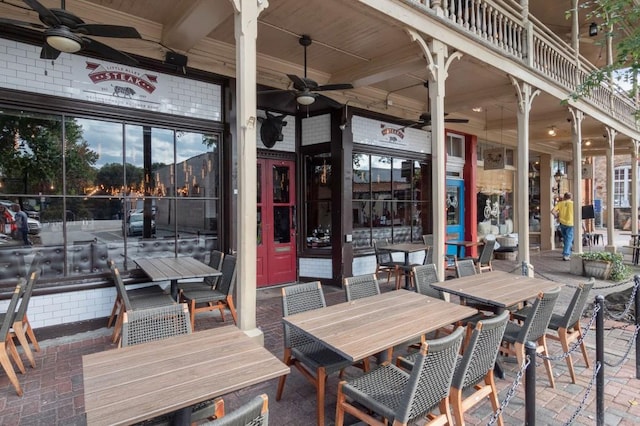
(530, 386)
(600, 360)
(637, 316)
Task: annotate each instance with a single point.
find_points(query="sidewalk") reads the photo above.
(54, 390)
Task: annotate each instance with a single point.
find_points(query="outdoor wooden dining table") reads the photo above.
(128, 385)
(174, 269)
(459, 244)
(371, 325)
(407, 249)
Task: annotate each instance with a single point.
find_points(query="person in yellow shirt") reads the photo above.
(563, 211)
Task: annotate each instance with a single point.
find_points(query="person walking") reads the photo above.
(563, 211)
(22, 224)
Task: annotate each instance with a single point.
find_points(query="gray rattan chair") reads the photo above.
(533, 329)
(314, 360)
(8, 348)
(21, 328)
(567, 325)
(147, 325)
(360, 286)
(384, 260)
(401, 397)
(221, 298)
(475, 369)
(253, 413)
(403, 270)
(425, 275)
(465, 268)
(483, 261)
(215, 261)
(138, 301)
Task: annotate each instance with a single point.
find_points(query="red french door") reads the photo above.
(276, 243)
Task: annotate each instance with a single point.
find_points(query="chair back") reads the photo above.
(481, 351)
(427, 239)
(26, 295)
(361, 286)
(11, 311)
(430, 378)
(215, 261)
(487, 252)
(300, 298)
(147, 325)
(535, 325)
(120, 288)
(465, 268)
(424, 276)
(577, 304)
(253, 413)
(382, 256)
(228, 279)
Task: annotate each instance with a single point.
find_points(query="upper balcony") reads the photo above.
(365, 42)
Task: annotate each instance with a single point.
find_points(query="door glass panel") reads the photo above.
(259, 216)
(280, 184)
(281, 224)
(453, 199)
(259, 183)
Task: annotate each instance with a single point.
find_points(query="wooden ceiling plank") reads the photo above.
(193, 21)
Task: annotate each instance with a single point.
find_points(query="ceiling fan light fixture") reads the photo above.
(305, 99)
(63, 40)
(552, 131)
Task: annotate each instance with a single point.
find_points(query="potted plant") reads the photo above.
(604, 265)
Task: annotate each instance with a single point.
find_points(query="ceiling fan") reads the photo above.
(425, 117)
(65, 32)
(305, 91)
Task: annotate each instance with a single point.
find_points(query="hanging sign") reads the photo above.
(494, 158)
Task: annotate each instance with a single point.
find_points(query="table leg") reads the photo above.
(174, 290)
(182, 417)
(407, 277)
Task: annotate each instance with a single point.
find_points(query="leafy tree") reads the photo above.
(620, 20)
(111, 176)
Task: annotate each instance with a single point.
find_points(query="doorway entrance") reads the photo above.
(455, 213)
(276, 240)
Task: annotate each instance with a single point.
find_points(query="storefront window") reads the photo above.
(495, 202)
(389, 199)
(116, 187)
(318, 200)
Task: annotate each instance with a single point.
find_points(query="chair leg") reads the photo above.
(564, 342)
(232, 308)
(192, 313)
(8, 368)
(18, 331)
(583, 347)
(114, 311)
(32, 337)
(117, 327)
(340, 399)
(547, 363)
(321, 381)
(14, 353)
(493, 396)
(444, 409)
(283, 378)
(456, 405)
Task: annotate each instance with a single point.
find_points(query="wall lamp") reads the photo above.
(552, 131)
(593, 29)
(558, 178)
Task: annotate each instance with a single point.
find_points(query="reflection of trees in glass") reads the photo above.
(31, 155)
(111, 176)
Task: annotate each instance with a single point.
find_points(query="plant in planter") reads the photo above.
(611, 266)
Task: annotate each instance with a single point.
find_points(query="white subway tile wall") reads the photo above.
(314, 267)
(370, 132)
(316, 129)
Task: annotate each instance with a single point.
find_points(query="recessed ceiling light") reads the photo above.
(552, 131)
(588, 143)
(476, 109)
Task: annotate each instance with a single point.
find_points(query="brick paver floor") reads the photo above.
(53, 391)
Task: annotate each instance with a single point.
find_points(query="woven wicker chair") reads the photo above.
(138, 301)
(215, 261)
(314, 360)
(221, 298)
(401, 397)
(147, 325)
(21, 328)
(360, 286)
(403, 270)
(425, 275)
(533, 329)
(8, 348)
(567, 325)
(253, 413)
(483, 261)
(465, 268)
(384, 260)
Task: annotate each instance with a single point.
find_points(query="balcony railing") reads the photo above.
(510, 29)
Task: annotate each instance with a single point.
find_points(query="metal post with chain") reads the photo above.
(600, 360)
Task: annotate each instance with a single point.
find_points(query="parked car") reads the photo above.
(135, 224)
(34, 225)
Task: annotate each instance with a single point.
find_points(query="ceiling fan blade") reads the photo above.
(42, 11)
(274, 91)
(456, 120)
(301, 83)
(21, 23)
(49, 52)
(100, 30)
(343, 86)
(328, 101)
(108, 52)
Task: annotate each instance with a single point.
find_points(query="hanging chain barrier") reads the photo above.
(584, 398)
(627, 306)
(575, 344)
(510, 393)
(628, 350)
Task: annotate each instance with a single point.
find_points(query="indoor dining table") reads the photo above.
(371, 325)
(174, 269)
(407, 249)
(128, 385)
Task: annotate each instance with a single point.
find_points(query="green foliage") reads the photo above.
(619, 271)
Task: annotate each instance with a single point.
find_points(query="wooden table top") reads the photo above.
(405, 247)
(373, 324)
(128, 385)
(497, 288)
(461, 243)
(171, 268)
